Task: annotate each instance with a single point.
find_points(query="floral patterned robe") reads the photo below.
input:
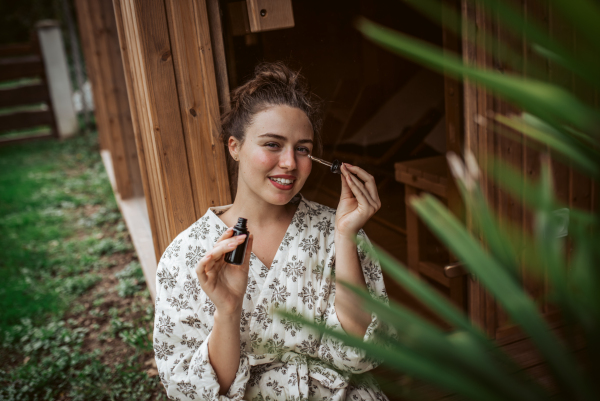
(280, 359)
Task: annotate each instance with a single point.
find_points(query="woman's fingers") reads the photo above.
(212, 262)
(359, 190)
(369, 181)
(227, 245)
(203, 267)
(227, 234)
(346, 191)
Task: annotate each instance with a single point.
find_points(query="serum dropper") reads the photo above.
(335, 167)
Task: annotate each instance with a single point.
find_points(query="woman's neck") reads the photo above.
(258, 212)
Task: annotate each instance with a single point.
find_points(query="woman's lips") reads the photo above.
(281, 186)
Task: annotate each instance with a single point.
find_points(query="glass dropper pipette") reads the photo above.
(335, 167)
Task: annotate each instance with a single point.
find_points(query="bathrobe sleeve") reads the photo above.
(332, 350)
(183, 324)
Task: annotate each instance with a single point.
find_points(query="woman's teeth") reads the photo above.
(282, 181)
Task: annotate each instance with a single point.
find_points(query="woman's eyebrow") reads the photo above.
(283, 138)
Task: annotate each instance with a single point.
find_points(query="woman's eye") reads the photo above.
(303, 150)
(272, 145)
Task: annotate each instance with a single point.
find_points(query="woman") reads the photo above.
(217, 333)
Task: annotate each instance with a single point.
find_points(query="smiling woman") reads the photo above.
(217, 335)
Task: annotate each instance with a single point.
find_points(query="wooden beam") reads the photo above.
(109, 84)
(137, 136)
(25, 119)
(24, 94)
(216, 37)
(267, 15)
(174, 86)
(16, 49)
(91, 55)
(21, 67)
(198, 101)
(26, 138)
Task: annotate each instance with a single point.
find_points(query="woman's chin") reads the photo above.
(283, 198)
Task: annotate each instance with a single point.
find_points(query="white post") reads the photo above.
(57, 77)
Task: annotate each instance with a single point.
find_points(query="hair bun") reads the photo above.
(276, 72)
(272, 84)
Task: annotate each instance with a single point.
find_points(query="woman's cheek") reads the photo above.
(265, 158)
(308, 167)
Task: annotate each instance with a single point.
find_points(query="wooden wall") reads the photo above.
(168, 55)
(574, 189)
(100, 43)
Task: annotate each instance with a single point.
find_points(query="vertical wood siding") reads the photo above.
(575, 189)
(172, 80)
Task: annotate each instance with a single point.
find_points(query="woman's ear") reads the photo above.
(234, 147)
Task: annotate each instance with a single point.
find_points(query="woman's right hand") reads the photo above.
(223, 283)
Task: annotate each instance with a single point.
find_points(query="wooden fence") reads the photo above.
(24, 93)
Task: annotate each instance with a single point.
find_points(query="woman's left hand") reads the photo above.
(358, 202)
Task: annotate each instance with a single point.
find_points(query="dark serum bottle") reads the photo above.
(236, 257)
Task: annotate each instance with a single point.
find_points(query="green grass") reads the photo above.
(60, 233)
(41, 185)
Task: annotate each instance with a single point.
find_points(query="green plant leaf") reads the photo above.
(556, 141)
(544, 100)
(402, 358)
(534, 33)
(584, 16)
(457, 350)
(496, 280)
(436, 302)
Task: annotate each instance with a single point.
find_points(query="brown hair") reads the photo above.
(273, 84)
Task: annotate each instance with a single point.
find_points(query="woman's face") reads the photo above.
(273, 160)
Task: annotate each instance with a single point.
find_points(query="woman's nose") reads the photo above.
(288, 160)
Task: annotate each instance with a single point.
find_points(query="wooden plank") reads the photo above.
(123, 137)
(421, 183)
(91, 55)
(480, 305)
(16, 49)
(267, 15)
(412, 230)
(151, 154)
(24, 94)
(4, 140)
(25, 119)
(199, 104)
(141, 158)
(532, 11)
(216, 37)
(454, 113)
(172, 72)
(510, 151)
(21, 67)
(457, 291)
(238, 18)
(166, 132)
(434, 272)
(113, 85)
(103, 58)
(581, 184)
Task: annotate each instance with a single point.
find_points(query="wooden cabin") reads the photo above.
(162, 70)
